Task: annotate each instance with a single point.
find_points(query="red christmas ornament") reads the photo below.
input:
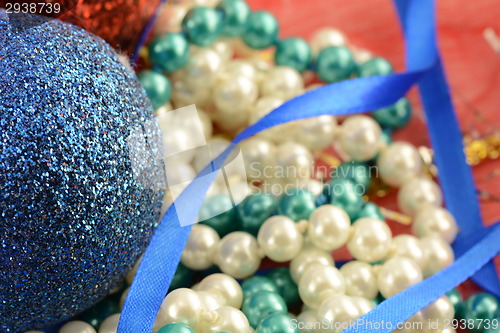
(119, 22)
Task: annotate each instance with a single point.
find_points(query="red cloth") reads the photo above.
(471, 64)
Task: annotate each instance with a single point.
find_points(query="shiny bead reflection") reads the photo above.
(238, 255)
(360, 279)
(279, 238)
(432, 220)
(370, 240)
(320, 282)
(360, 137)
(226, 288)
(398, 274)
(398, 163)
(199, 250)
(417, 193)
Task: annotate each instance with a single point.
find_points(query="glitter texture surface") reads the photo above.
(119, 22)
(73, 217)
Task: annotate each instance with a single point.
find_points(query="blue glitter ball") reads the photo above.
(78, 203)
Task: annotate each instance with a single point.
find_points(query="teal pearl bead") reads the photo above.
(202, 25)
(379, 299)
(394, 116)
(170, 51)
(183, 278)
(277, 323)
(386, 136)
(157, 86)
(287, 288)
(235, 17)
(481, 306)
(294, 53)
(375, 66)
(255, 284)
(335, 63)
(262, 30)
(369, 209)
(358, 172)
(494, 326)
(223, 223)
(254, 210)
(455, 299)
(99, 312)
(262, 304)
(345, 194)
(297, 204)
(176, 328)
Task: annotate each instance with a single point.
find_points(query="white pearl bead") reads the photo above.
(415, 324)
(329, 227)
(407, 246)
(237, 68)
(181, 305)
(435, 221)
(198, 122)
(295, 162)
(279, 238)
(202, 68)
(438, 254)
(179, 172)
(316, 133)
(326, 37)
(398, 163)
(364, 305)
(224, 287)
(259, 156)
(123, 297)
(360, 137)
(361, 55)
(185, 93)
(206, 123)
(178, 144)
(210, 301)
(110, 324)
(235, 95)
(398, 274)
(306, 257)
(224, 49)
(77, 326)
(320, 282)
(276, 134)
(340, 311)
(282, 82)
(312, 185)
(307, 319)
(360, 279)
(440, 310)
(169, 19)
(217, 145)
(238, 255)
(228, 319)
(370, 239)
(417, 193)
(263, 106)
(200, 247)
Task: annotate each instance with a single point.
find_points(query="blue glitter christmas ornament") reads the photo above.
(78, 205)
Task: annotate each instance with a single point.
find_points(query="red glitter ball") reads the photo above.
(119, 22)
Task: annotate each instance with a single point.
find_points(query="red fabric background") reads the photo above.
(471, 64)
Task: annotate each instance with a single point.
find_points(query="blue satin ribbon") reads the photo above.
(353, 96)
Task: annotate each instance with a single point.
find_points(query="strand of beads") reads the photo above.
(235, 93)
